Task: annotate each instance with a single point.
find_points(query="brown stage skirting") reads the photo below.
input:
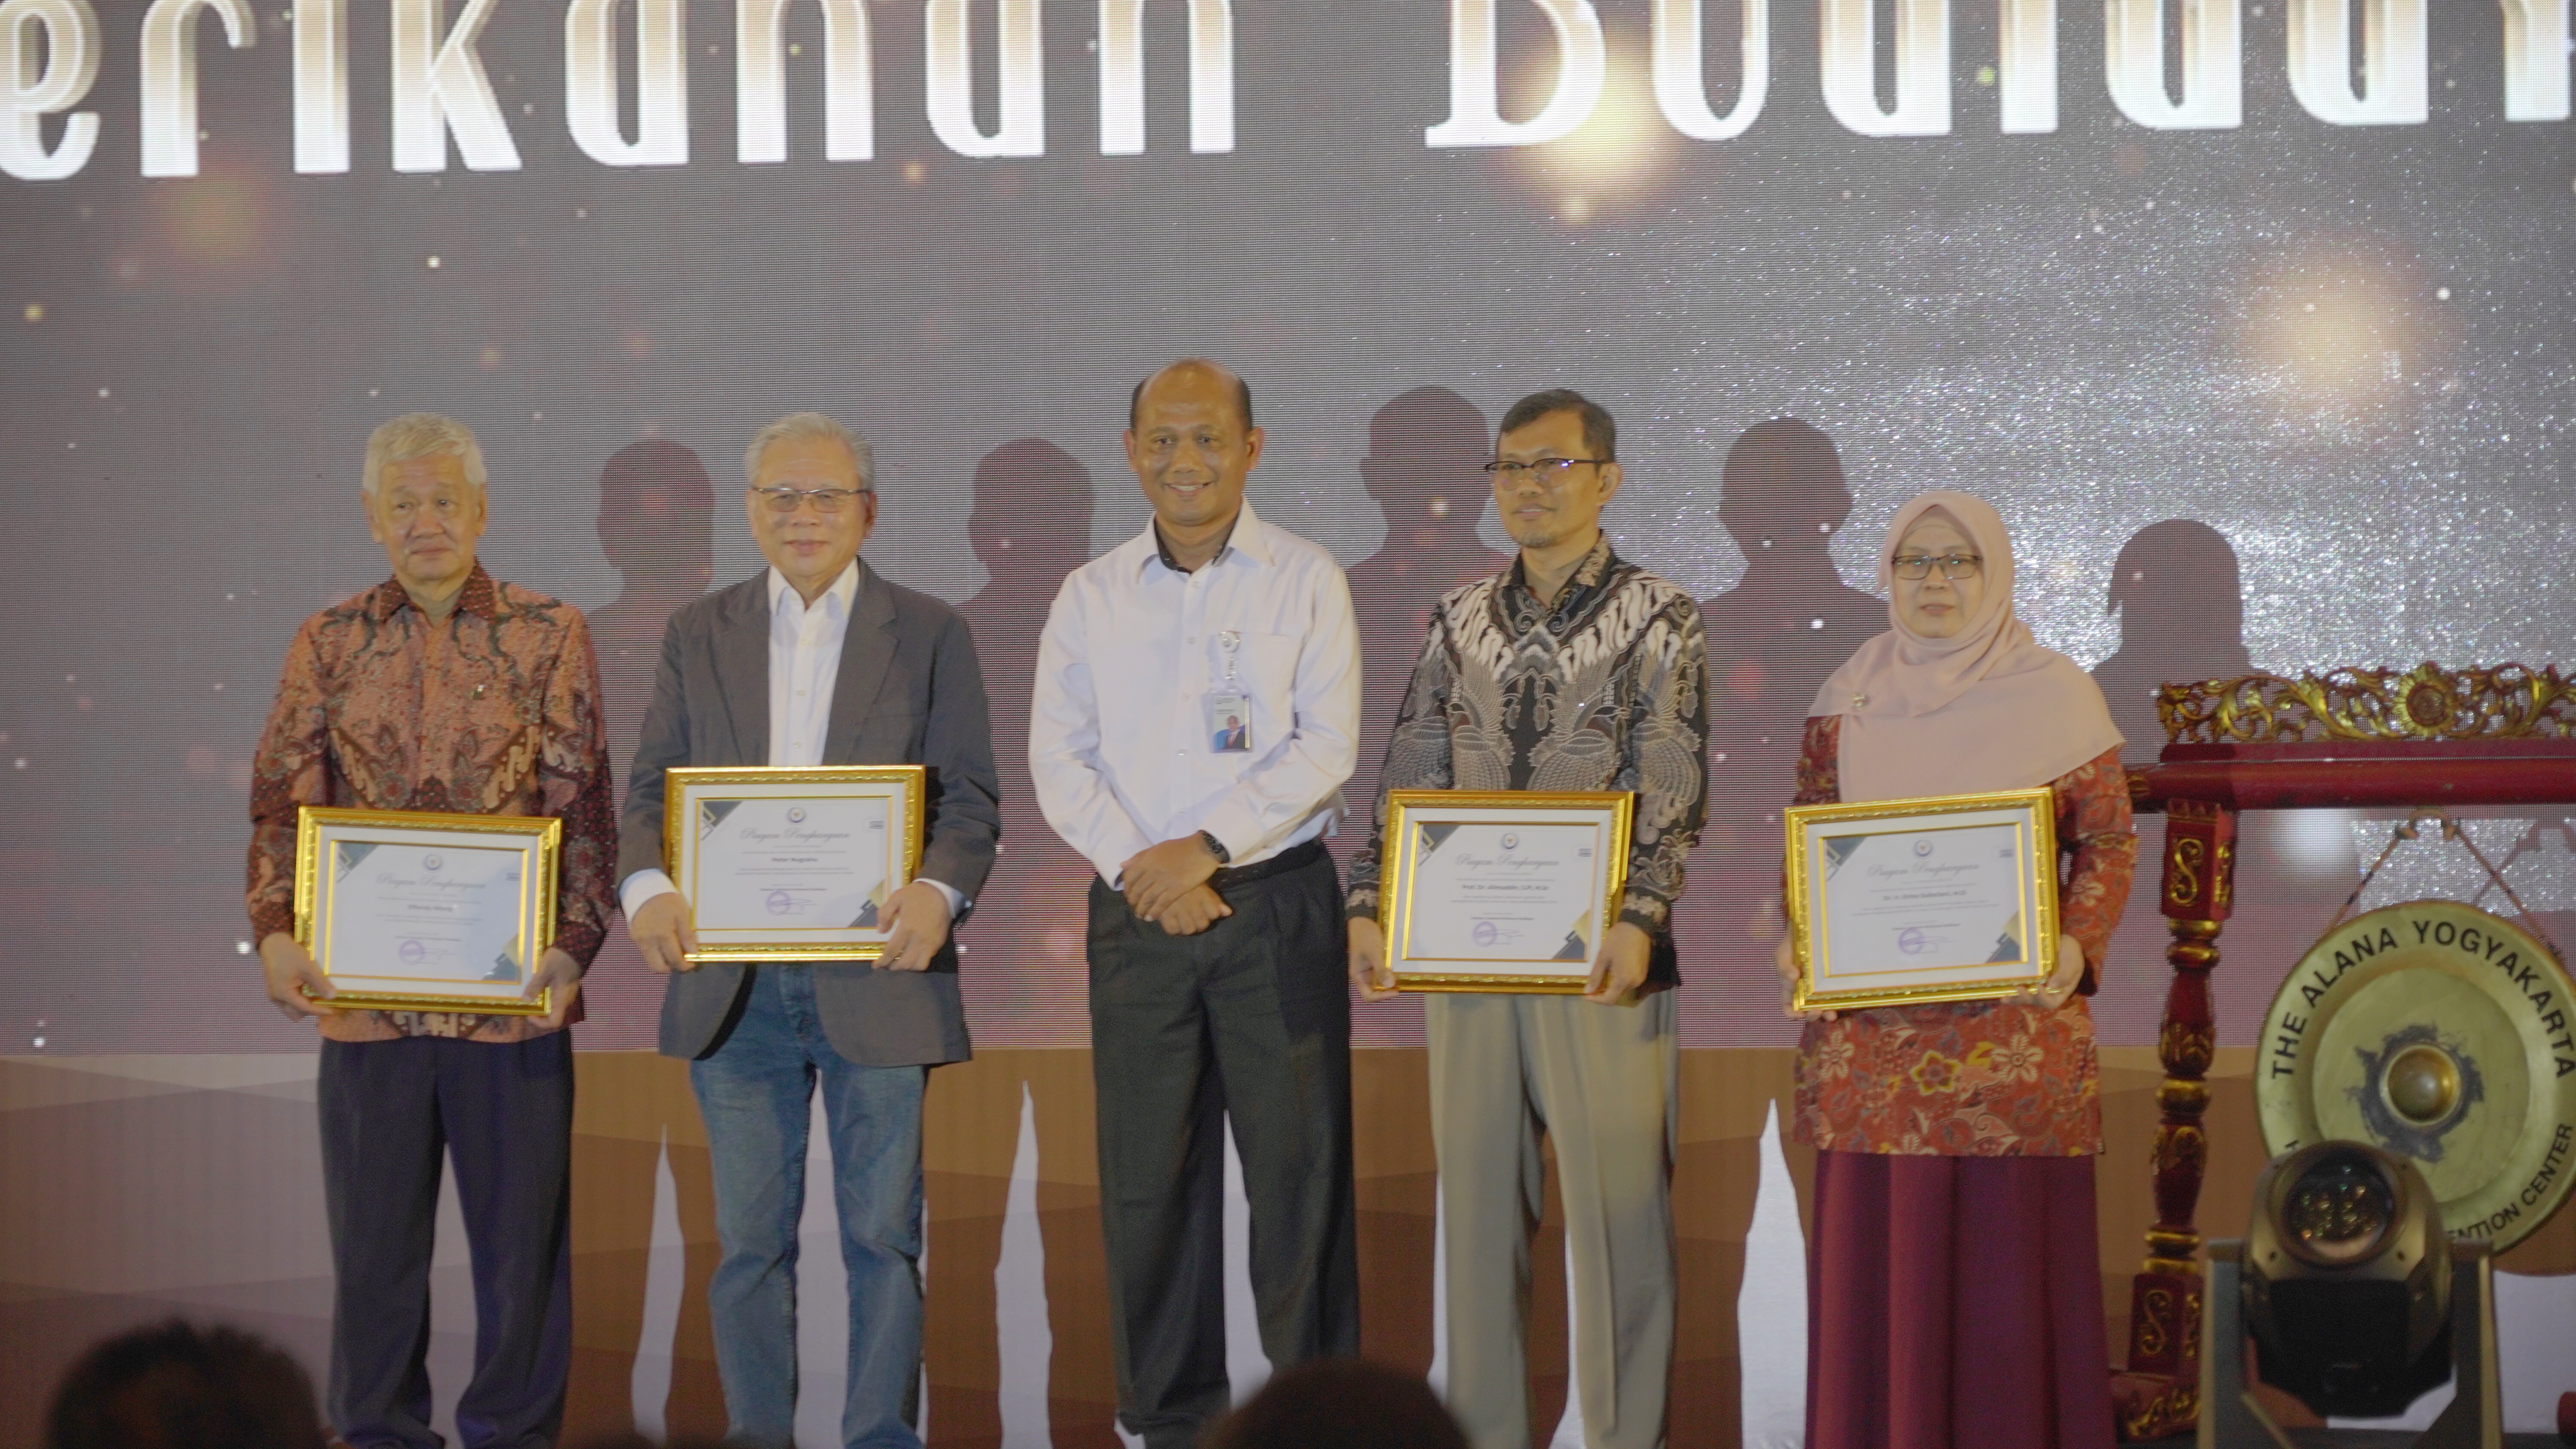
(133, 1187)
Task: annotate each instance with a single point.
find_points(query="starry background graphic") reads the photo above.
(2342, 357)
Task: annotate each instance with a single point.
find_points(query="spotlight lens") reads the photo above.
(2339, 1212)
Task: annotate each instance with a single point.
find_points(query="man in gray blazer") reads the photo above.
(817, 661)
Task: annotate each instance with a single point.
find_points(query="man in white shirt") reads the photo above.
(816, 661)
(1215, 944)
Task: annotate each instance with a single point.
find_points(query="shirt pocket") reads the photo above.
(1269, 685)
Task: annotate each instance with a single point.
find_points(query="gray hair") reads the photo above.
(811, 425)
(422, 435)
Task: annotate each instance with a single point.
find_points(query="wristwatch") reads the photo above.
(1216, 848)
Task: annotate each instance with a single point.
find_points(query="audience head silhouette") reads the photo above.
(1340, 1403)
(177, 1386)
(1783, 488)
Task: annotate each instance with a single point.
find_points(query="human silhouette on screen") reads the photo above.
(2181, 602)
(1424, 466)
(657, 527)
(2179, 593)
(1426, 453)
(1029, 525)
(1789, 622)
(1023, 977)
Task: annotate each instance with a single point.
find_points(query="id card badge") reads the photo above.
(1229, 713)
(1229, 722)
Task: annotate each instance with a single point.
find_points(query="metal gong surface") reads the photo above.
(2442, 1033)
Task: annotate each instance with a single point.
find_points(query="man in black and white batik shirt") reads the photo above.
(1572, 670)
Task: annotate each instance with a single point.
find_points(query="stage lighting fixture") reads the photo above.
(2356, 1303)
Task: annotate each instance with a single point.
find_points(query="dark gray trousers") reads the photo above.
(1248, 1021)
(391, 1110)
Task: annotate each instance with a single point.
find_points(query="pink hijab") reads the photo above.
(1986, 709)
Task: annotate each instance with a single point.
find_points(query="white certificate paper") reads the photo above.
(1926, 901)
(1501, 890)
(447, 914)
(801, 864)
(1950, 901)
(1505, 894)
(790, 865)
(414, 916)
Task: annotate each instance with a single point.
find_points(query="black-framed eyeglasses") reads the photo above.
(784, 501)
(1952, 566)
(1545, 470)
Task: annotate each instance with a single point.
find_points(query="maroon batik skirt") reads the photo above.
(1955, 1303)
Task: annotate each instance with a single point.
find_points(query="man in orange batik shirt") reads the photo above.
(440, 689)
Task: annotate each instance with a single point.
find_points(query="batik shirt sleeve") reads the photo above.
(1668, 759)
(1417, 757)
(574, 785)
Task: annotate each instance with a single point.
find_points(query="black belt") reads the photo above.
(1295, 857)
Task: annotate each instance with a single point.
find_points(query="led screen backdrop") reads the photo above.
(2253, 317)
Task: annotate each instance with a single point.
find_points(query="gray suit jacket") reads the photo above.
(909, 692)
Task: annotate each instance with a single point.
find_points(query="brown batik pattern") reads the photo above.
(491, 711)
(1976, 1078)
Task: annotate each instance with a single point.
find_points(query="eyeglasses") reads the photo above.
(1952, 566)
(1545, 470)
(783, 501)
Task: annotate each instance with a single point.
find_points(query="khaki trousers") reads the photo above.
(1600, 1081)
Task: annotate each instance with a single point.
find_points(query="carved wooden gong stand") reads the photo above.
(2349, 738)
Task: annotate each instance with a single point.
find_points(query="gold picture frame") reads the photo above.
(410, 935)
(797, 883)
(1913, 920)
(1507, 904)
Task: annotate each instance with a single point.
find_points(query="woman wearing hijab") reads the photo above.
(1954, 1288)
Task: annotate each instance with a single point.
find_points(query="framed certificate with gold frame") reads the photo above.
(787, 864)
(1903, 902)
(1508, 890)
(407, 910)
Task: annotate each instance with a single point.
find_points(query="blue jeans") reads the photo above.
(755, 1093)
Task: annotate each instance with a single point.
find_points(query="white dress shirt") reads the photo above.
(804, 663)
(1120, 743)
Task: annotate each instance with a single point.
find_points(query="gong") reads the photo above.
(2442, 1033)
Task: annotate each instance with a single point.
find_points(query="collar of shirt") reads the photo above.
(842, 593)
(1523, 605)
(1246, 535)
(805, 664)
(480, 597)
